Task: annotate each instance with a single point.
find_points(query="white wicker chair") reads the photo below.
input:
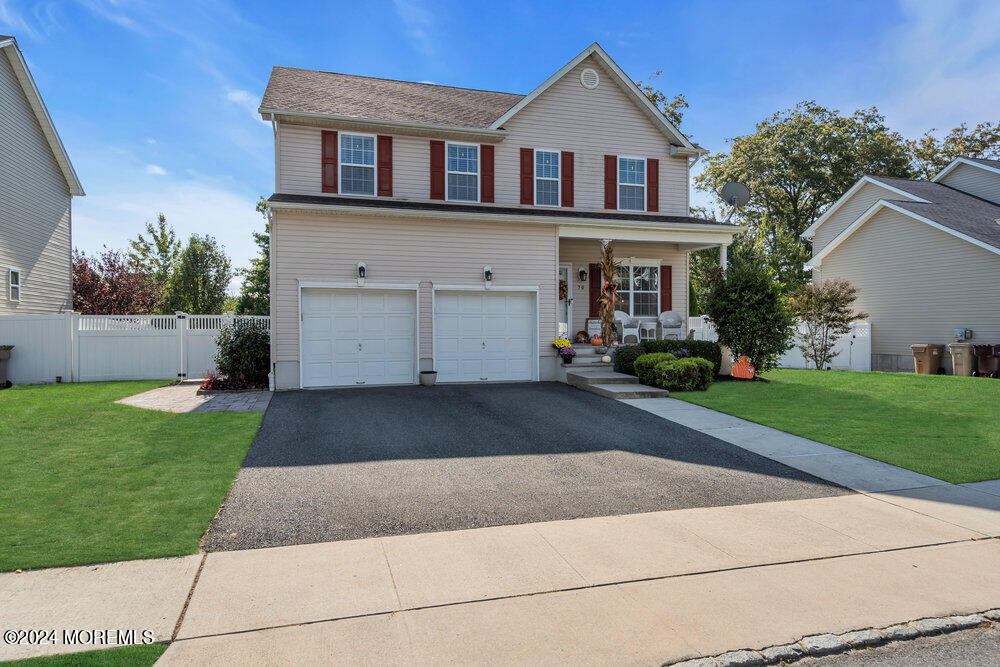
(671, 325)
(627, 326)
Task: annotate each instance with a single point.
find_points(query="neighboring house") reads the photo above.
(925, 256)
(465, 209)
(37, 183)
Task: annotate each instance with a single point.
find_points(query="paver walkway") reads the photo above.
(183, 397)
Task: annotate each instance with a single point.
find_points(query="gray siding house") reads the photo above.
(37, 184)
(925, 256)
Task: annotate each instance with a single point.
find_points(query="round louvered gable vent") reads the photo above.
(589, 78)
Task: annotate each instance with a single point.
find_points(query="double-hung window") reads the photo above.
(547, 178)
(357, 164)
(638, 292)
(14, 285)
(463, 172)
(631, 184)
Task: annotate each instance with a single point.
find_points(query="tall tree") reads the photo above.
(157, 254)
(931, 155)
(672, 107)
(255, 292)
(796, 163)
(198, 284)
(109, 284)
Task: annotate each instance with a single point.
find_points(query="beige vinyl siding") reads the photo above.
(34, 208)
(862, 200)
(583, 252)
(326, 248)
(566, 117)
(979, 182)
(917, 282)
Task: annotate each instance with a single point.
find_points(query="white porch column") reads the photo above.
(723, 256)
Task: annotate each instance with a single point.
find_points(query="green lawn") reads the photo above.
(125, 656)
(944, 426)
(86, 480)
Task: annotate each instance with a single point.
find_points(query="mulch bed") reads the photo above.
(216, 385)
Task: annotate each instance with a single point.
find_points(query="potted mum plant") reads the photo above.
(565, 349)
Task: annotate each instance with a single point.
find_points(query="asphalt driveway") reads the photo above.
(353, 463)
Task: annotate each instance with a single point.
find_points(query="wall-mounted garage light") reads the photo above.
(362, 270)
(488, 275)
(583, 275)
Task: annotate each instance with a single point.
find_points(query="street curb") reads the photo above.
(814, 646)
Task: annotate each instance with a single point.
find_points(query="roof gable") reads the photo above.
(9, 48)
(981, 163)
(886, 183)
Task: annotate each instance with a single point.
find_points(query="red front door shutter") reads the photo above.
(595, 289)
(666, 289)
(652, 185)
(486, 170)
(328, 150)
(527, 176)
(384, 166)
(567, 178)
(611, 181)
(437, 169)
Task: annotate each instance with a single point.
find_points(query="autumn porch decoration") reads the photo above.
(606, 311)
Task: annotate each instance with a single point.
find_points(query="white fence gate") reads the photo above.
(88, 348)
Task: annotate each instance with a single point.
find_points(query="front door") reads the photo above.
(565, 307)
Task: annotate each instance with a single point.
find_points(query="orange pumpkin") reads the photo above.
(743, 369)
(595, 341)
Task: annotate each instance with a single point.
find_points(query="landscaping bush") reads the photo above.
(705, 349)
(645, 364)
(244, 352)
(625, 356)
(691, 374)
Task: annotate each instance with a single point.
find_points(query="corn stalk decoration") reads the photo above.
(608, 298)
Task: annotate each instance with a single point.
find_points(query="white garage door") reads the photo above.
(484, 336)
(357, 336)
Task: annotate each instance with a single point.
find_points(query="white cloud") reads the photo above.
(418, 23)
(245, 100)
(155, 170)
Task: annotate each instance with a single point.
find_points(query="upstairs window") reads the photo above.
(357, 164)
(463, 172)
(14, 284)
(547, 178)
(631, 184)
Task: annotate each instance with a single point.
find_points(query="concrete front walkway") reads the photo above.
(183, 397)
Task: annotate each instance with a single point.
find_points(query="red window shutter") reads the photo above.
(652, 185)
(329, 153)
(384, 166)
(666, 291)
(528, 176)
(437, 169)
(611, 181)
(595, 289)
(486, 173)
(567, 178)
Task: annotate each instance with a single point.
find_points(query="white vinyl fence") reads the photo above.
(88, 348)
(854, 349)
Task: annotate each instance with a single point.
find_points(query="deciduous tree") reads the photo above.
(109, 284)
(826, 311)
(931, 155)
(157, 254)
(255, 292)
(199, 282)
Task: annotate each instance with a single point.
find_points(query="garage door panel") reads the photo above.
(316, 326)
(470, 303)
(519, 369)
(399, 325)
(342, 303)
(346, 326)
(317, 350)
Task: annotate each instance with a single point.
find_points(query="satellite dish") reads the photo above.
(735, 194)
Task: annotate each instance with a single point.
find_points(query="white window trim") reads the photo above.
(479, 171)
(632, 264)
(10, 284)
(536, 177)
(341, 164)
(645, 182)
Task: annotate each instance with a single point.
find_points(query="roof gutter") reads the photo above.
(405, 127)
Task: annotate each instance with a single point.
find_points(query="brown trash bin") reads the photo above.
(988, 362)
(926, 358)
(963, 359)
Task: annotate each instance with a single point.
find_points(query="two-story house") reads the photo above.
(418, 226)
(37, 184)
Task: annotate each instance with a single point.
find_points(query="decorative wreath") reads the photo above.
(563, 290)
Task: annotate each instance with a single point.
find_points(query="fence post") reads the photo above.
(74, 344)
(181, 333)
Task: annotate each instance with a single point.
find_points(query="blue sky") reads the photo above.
(156, 102)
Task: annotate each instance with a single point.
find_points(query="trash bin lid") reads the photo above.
(919, 347)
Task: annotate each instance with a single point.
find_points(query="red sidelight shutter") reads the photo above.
(437, 169)
(567, 178)
(384, 166)
(486, 170)
(652, 185)
(595, 289)
(611, 181)
(328, 150)
(666, 291)
(527, 176)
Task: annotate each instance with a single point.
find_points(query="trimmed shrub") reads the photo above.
(244, 352)
(704, 349)
(645, 364)
(625, 356)
(692, 374)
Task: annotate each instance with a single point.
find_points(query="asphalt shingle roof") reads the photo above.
(965, 213)
(311, 91)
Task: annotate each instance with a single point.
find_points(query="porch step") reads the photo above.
(626, 390)
(585, 376)
(588, 361)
